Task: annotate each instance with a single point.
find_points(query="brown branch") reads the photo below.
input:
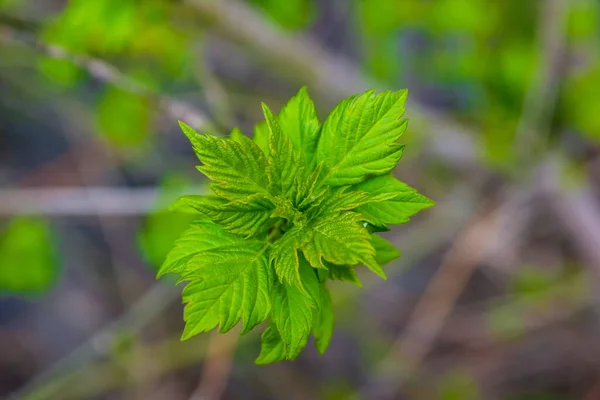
(217, 367)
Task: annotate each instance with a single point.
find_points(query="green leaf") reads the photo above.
(229, 279)
(237, 135)
(298, 121)
(293, 310)
(248, 217)
(343, 240)
(261, 137)
(385, 252)
(272, 347)
(396, 210)
(284, 163)
(345, 273)
(358, 139)
(294, 207)
(323, 320)
(308, 192)
(284, 255)
(29, 263)
(344, 199)
(237, 168)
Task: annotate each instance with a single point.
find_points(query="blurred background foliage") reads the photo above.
(495, 295)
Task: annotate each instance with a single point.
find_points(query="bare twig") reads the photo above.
(219, 360)
(77, 201)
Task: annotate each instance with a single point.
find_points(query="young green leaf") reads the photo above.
(295, 206)
(343, 240)
(358, 139)
(272, 347)
(308, 192)
(293, 310)
(261, 137)
(284, 162)
(285, 257)
(385, 252)
(237, 168)
(396, 210)
(342, 199)
(298, 120)
(248, 217)
(346, 273)
(229, 278)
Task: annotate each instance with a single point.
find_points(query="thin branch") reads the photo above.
(217, 367)
(68, 202)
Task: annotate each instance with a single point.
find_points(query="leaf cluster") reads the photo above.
(296, 206)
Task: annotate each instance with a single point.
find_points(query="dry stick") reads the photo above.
(435, 305)
(217, 367)
(77, 201)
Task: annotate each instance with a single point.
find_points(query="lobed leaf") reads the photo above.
(284, 162)
(358, 139)
(342, 240)
(385, 252)
(229, 278)
(249, 217)
(396, 210)
(293, 310)
(284, 255)
(298, 120)
(295, 206)
(272, 347)
(237, 168)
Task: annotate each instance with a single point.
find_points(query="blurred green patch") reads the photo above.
(289, 14)
(162, 227)
(124, 119)
(61, 73)
(141, 30)
(457, 385)
(583, 19)
(28, 257)
(581, 102)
